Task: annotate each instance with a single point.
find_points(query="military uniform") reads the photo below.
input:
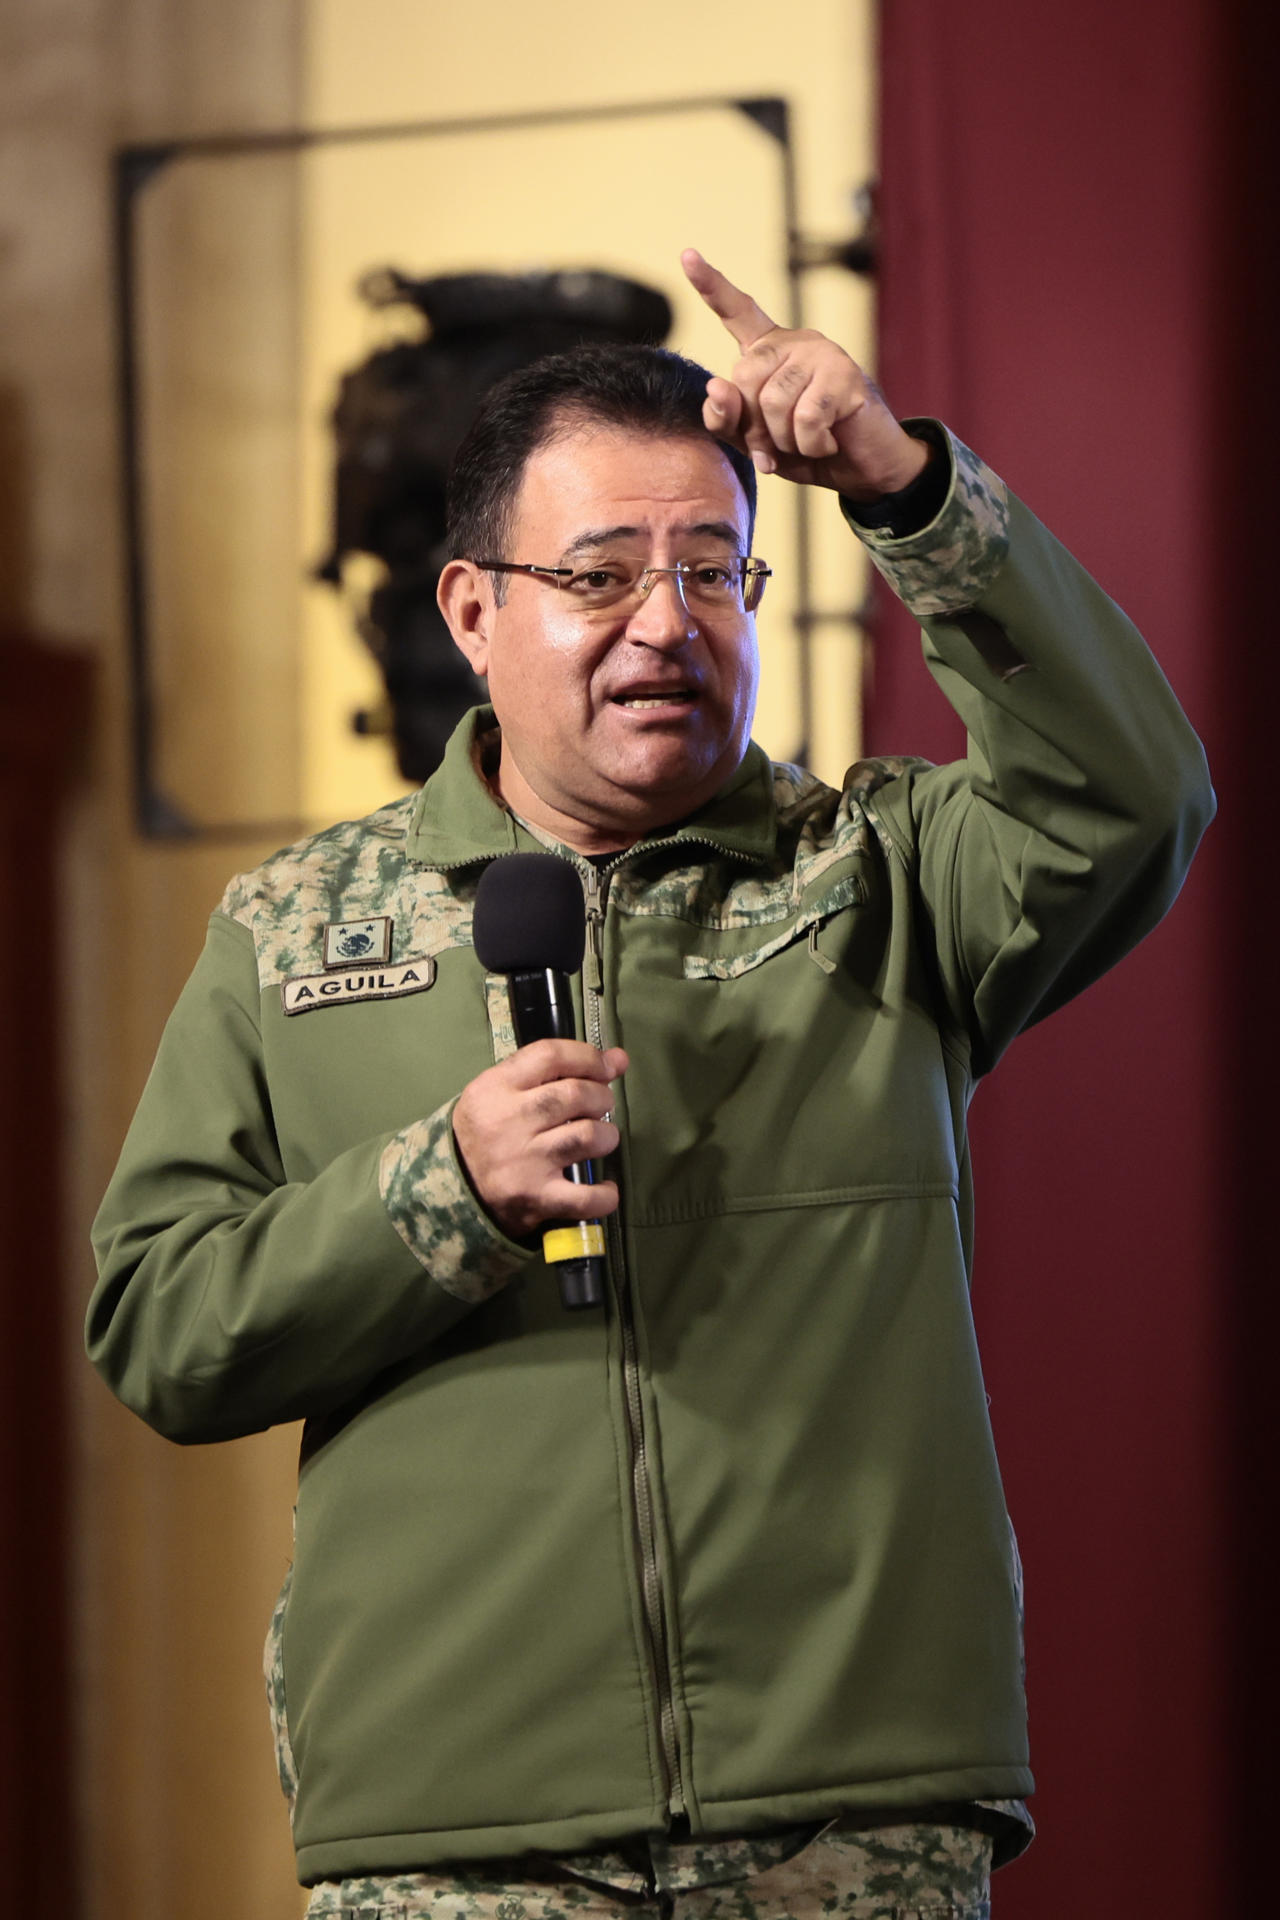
(730, 1557)
(899, 1871)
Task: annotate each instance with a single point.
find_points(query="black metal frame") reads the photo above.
(136, 166)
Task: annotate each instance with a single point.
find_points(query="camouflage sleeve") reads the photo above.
(433, 1209)
(949, 564)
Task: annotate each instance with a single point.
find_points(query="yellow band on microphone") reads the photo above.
(582, 1241)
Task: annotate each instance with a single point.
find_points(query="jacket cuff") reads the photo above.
(432, 1207)
(948, 565)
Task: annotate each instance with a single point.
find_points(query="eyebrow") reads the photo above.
(592, 538)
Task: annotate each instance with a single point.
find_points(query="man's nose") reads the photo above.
(662, 617)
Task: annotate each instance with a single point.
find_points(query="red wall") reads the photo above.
(1071, 204)
(42, 737)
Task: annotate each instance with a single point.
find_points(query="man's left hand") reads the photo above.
(798, 404)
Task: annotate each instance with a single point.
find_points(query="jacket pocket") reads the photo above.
(850, 891)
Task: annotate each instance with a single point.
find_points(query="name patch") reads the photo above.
(359, 983)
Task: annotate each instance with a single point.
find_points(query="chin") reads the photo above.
(663, 782)
(658, 795)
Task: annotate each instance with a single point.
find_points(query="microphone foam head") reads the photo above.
(529, 914)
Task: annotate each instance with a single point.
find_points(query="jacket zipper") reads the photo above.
(641, 1483)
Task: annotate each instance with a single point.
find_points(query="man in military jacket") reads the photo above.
(715, 1583)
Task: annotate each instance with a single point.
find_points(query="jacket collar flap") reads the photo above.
(456, 820)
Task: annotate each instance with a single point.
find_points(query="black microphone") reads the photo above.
(530, 923)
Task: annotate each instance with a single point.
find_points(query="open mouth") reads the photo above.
(670, 697)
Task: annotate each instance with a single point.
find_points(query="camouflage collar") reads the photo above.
(456, 820)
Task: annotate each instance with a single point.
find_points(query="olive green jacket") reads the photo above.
(734, 1546)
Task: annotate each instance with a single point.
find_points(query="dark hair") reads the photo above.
(649, 389)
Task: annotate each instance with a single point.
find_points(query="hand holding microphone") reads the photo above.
(528, 1127)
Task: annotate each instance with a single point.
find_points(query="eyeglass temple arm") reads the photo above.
(523, 566)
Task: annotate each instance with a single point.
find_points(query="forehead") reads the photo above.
(595, 479)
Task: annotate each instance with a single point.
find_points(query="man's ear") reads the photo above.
(465, 598)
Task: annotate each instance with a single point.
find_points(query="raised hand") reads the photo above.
(798, 404)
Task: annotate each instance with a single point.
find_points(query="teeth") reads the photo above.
(653, 699)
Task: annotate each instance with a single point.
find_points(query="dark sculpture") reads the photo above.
(399, 418)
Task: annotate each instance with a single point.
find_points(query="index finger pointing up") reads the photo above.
(746, 321)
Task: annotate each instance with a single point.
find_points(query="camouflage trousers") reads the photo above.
(908, 1872)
